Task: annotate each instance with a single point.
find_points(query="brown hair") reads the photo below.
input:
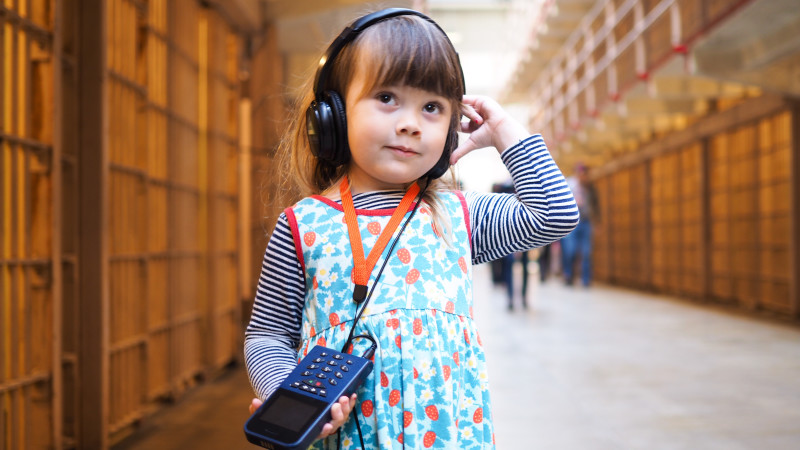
(403, 50)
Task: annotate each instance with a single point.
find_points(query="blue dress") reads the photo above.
(429, 386)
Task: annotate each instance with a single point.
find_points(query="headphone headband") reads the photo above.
(326, 119)
(351, 32)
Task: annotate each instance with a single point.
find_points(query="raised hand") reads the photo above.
(488, 125)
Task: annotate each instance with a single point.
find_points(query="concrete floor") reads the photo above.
(598, 368)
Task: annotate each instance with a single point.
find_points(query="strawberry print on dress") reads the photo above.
(429, 386)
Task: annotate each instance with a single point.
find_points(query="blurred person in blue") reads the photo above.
(579, 241)
(504, 271)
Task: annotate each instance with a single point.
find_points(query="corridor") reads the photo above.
(598, 368)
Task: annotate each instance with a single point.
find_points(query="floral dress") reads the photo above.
(429, 386)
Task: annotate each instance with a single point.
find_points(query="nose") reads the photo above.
(408, 123)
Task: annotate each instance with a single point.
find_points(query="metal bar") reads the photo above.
(224, 196)
(24, 142)
(245, 206)
(127, 258)
(157, 181)
(221, 136)
(126, 421)
(172, 116)
(172, 47)
(794, 240)
(203, 101)
(127, 82)
(127, 343)
(35, 262)
(38, 377)
(176, 186)
(705, 199)
(93, 363)
(175, 254)
(33, 30)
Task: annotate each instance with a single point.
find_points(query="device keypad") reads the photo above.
(326, 369)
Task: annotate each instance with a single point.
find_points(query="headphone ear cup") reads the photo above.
(341, 151)
(326, 125)
(318, 129)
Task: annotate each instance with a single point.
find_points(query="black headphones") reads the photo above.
(326, 121)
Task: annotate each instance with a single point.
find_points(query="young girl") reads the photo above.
(402, 89)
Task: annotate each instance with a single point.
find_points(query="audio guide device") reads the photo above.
(293, 416)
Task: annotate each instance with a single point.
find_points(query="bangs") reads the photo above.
(422, 58)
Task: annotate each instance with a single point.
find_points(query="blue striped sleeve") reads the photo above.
(273, 335)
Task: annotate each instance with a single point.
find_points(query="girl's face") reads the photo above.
(396, 134)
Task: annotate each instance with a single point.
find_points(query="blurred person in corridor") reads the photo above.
(579, 241)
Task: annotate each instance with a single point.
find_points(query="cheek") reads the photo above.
(439, 135)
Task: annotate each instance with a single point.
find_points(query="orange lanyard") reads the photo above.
(362, 268)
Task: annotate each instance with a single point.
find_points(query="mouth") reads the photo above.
(404, 151)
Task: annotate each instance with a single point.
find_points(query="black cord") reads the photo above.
(358, 427)
(371, 351)
(383, 266)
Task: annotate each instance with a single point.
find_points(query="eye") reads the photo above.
(385, 97)
(433, 107)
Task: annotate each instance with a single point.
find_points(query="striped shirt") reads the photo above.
(542, 211)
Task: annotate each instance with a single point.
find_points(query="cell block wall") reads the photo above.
(28, 296)
(718, 221)
(692, 262)
(774, 222)
(127, 216)
(733, 176)
(626, 211)
(665, 222)
(166, 158)
(218, 55)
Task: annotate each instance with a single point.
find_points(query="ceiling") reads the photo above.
(754, 49)
(507, 46)
(305, 27)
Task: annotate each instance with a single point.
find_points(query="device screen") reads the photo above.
(291, 412)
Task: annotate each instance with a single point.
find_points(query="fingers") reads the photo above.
(254, 405)
(333, 425)
(484, 107)
(340, 411)
(489, 125)
(352, 402)
(469, 112)
(466, 147)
